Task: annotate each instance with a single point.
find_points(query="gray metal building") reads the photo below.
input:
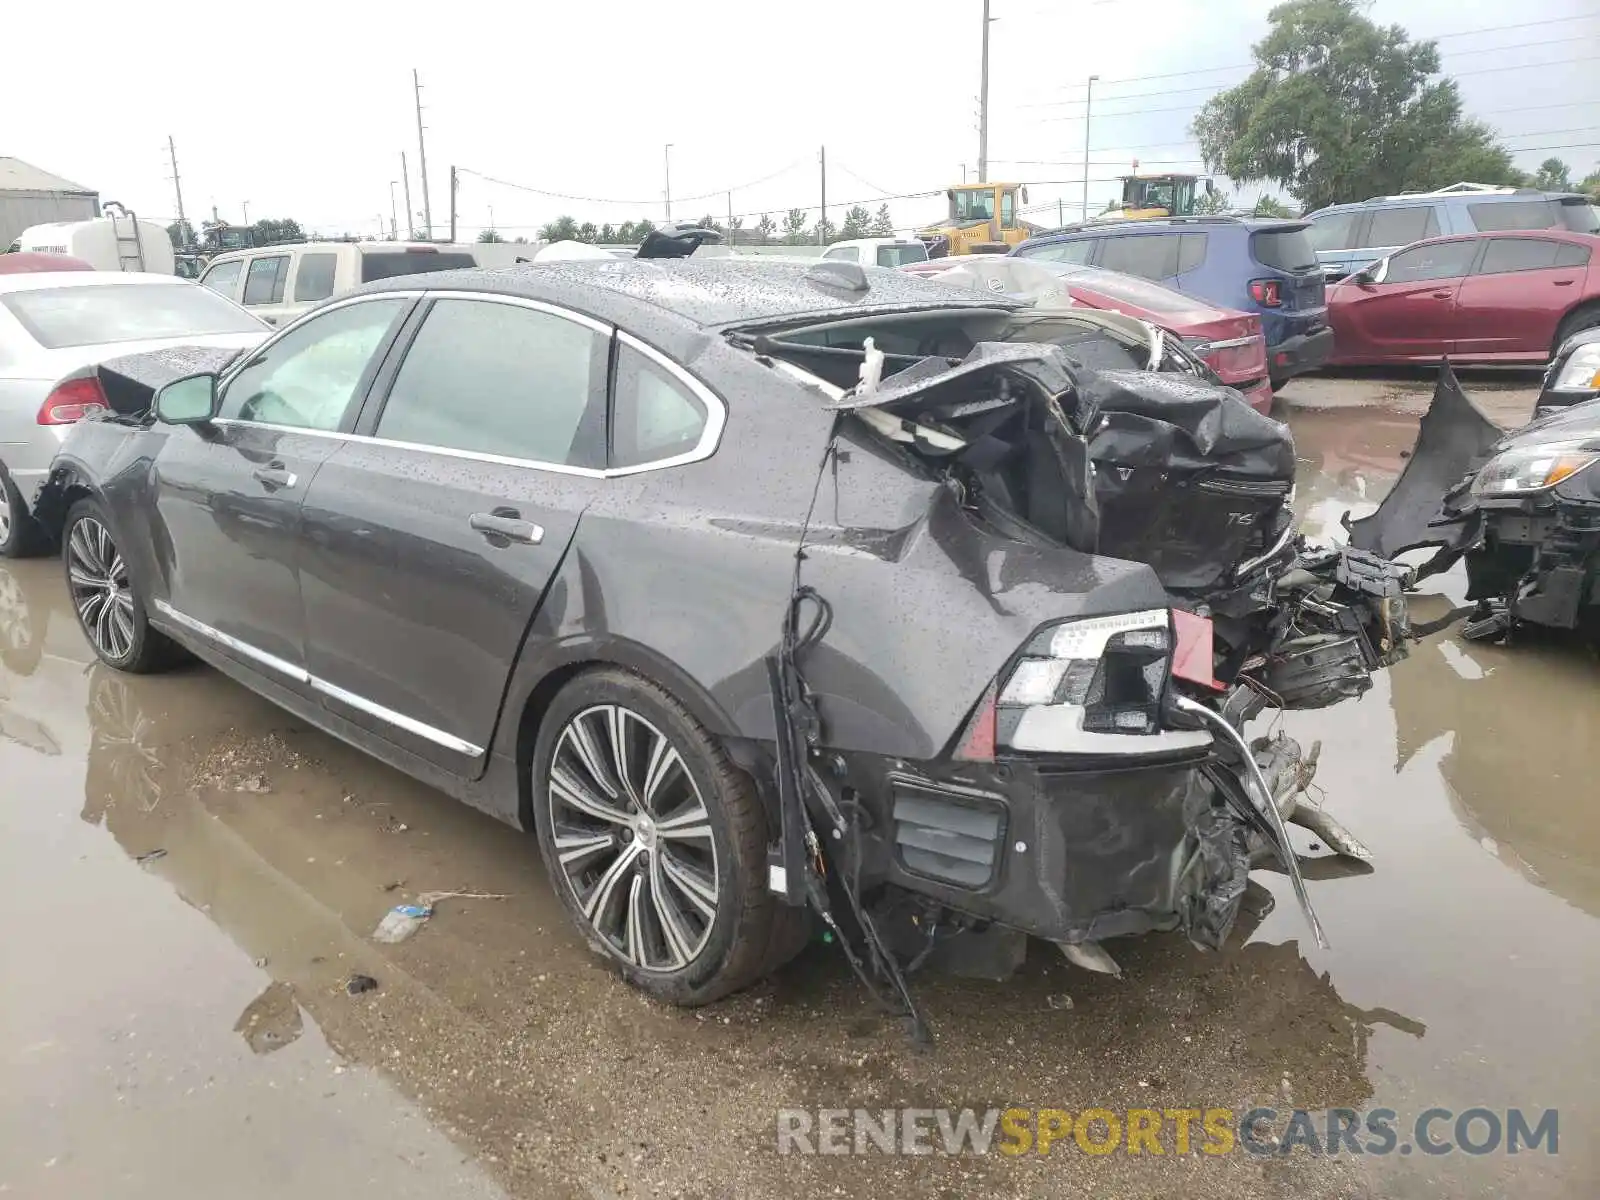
(29, 196)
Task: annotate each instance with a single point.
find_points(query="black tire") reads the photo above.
(1576, 321)
(113, 618)
(20, 536)
(750, 927)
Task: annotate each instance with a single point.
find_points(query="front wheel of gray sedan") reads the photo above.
(110, 610)
(655, 841)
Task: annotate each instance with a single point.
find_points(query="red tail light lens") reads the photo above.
(977, 740)
(1265, 292)
(71, 401)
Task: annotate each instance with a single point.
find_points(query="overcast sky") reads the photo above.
(302, 110)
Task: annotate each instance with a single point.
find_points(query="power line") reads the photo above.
(739, 187)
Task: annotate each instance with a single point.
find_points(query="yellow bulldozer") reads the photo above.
(1146, 196)
(982, 219)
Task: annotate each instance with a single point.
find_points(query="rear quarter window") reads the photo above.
(1283, 249)
(1516, 214)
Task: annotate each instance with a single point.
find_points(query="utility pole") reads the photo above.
(666, 171)
(394, 214)
(422, 160)
(1060, 218)
(453, 185)
(245, 204)
(405, 182)
(183, 223)
(822, 221)
(730, 218)
(983, 104)
(1088, 102)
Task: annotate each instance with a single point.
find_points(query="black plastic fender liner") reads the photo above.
(1453, 440)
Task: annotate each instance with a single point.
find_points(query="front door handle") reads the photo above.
(275, 476)
(505, 523)
(1564, 282)
(1441, 295)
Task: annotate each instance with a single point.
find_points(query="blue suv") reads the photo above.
(1348, 237)
(1261, 266)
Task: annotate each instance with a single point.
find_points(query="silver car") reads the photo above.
(53, 323)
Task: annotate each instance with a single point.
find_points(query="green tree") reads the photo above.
(270, 231)
(608, 233)
(1217, 201)
(823, 232)
(182, 235)
(857, 221)
(1553, 175)
(766, 227)
(643, 229)
(589, 232)
(882, 224)
(1591, 184)
(1271, 206)
(489, 235)
(1339, 108)
(562, 229)
(794, 227)
(735, 230)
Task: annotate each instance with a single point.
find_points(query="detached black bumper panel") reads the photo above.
(1299, 354)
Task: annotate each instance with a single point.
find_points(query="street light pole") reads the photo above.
(983, 103)
(1087, 104)
(394, 212)
(245, 204)
(666, 170)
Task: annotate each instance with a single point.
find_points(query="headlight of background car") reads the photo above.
(1581, 372)
(1532, 468)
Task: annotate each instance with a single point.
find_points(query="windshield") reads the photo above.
(385, 264)
(900, 255)
(974, 204)
(1285, 249)
(125, 312)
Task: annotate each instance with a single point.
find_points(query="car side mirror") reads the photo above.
(1374, 273)
(188, 401)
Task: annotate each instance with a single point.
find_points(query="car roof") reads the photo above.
(1198, 224)
(34, 280)
(325, 247)
(1481, 235)
(1417, 199)
(707, 293)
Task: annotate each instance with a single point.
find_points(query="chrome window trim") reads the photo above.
(279, 334)
(710, 436)
(299, 675)
(716, 411)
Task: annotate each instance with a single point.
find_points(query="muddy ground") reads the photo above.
(192, 877)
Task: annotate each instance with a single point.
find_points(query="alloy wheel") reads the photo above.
(5, 514)
(101, 592)
(633, 838)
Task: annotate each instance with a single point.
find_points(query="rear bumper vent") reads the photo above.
(953, 836)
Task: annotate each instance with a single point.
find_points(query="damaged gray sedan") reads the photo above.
(762, 593)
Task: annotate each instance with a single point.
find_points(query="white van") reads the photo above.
(115, 242)
(278, 283)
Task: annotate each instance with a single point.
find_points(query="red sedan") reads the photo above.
(1230, 342)
(1508, 297)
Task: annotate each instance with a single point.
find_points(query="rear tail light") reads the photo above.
(1091, 686)
(1266, 293)
(71, 401)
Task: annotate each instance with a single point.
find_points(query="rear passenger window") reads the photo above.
(1191, 252)
(313, 279)
(1401, 226)
(1515, 214)
(224, 278)
(1150, 255)
(494, 378)
(1078, 252)
(656, 415)
(1518, 254)
(263, 283)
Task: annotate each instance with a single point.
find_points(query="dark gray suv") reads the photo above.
(751, 588)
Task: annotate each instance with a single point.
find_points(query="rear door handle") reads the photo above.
(1564, 282)
(506, 524)
(275, 476)
(1441, 295)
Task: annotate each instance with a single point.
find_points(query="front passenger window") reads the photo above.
(308, 377)
(1437, 260)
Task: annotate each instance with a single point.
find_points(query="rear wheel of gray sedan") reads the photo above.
(655, 841)
(110, 610)
(18, 534)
